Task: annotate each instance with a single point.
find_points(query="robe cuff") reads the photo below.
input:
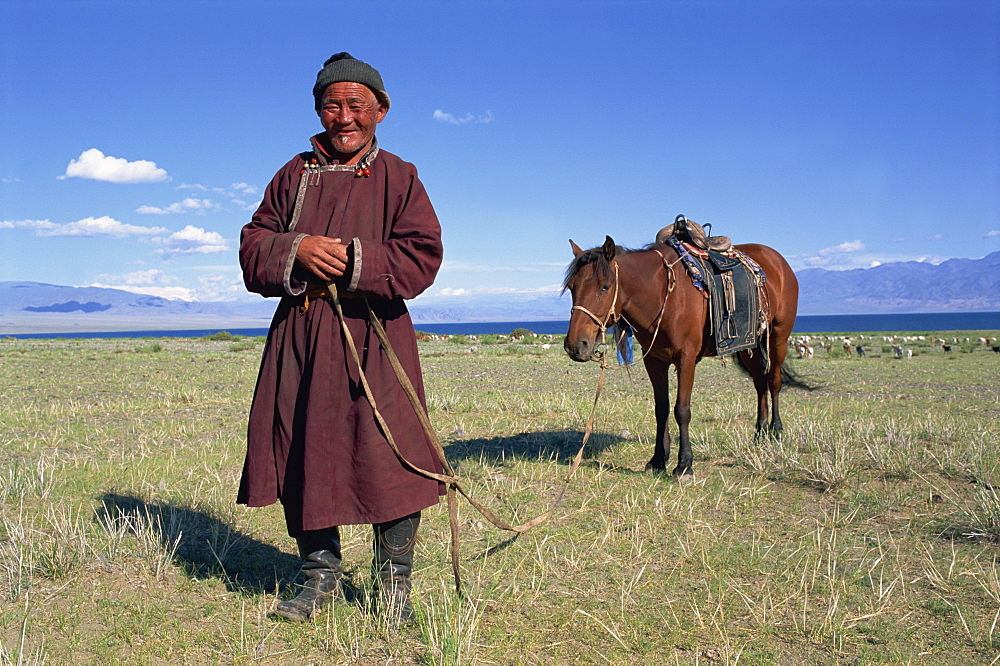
(356, 272)
(293, 287)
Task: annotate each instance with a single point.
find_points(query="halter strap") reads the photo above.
(611, 316)
(671, 283)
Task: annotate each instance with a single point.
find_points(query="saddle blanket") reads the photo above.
(732, 282)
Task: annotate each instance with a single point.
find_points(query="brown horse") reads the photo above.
(650, 290)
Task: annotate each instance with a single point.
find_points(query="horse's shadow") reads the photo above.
(560, 446)
(203, 545)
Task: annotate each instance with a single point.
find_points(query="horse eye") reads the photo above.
(605, 288)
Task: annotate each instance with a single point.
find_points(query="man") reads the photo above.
(350, 213)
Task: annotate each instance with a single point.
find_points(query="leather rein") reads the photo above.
(449, 478)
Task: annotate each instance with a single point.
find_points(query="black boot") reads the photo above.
(322, 571)
(393, 563)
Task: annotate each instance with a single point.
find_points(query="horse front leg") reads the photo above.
(659, 377)
(682, 414)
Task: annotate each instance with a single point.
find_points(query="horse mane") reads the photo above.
(595, 255)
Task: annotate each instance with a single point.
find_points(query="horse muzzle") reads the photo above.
(581, 350)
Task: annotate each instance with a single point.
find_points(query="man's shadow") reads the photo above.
(206, 547)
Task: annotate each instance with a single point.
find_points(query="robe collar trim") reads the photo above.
(324, 162)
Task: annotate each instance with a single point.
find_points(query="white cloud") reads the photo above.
(225, 284)
(172, 293)
(95, 227)
(90, 227)
(221, 286)
(993, 233)
(95, 165)
(152, 276)
(245, 188)
(34, 225)
(843, 261)
(451, 292)
(836, 257)
(243, 205)
(193, 240)
(843, 248)
(237, 193)
(152, 282)
(236, 189)
(183, 206)
(450, 119)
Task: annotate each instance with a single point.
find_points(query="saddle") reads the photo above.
(729, 279)
(689, 231)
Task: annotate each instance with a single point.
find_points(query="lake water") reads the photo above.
(916, 323)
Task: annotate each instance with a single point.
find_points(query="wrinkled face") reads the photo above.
(349, 113)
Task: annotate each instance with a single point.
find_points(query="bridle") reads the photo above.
(611, 318)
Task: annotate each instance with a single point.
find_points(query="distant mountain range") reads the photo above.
(956, 285)
(36, 307)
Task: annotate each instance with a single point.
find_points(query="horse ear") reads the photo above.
(576, 248)
(609, 248)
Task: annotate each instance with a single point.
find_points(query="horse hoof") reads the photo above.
(684, 473)
(653, 469)
(685, 478)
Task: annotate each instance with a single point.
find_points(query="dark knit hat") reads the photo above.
(344, 67)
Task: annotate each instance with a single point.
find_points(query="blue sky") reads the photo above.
(136, 137)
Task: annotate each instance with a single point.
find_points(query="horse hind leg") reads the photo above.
(775, 379)
(775, 427)
(752, 364)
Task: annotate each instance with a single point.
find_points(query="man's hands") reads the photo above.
(322, 256)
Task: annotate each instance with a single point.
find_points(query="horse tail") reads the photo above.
(743, 367)
(792, 379)
(789, 377)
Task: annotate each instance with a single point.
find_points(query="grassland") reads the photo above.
(870, 534)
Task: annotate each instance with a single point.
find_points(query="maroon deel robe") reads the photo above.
(312, 440)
